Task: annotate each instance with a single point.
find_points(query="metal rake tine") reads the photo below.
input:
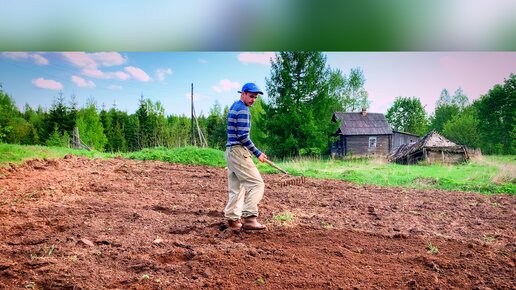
(296, 180)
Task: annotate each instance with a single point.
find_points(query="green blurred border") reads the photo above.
(267, 25)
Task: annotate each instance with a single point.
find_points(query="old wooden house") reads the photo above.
(362, 134)
(432, 148)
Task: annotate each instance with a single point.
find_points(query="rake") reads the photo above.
(292, 180)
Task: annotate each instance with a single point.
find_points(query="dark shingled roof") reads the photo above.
(358, 124)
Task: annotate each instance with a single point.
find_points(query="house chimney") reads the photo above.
(364, 113)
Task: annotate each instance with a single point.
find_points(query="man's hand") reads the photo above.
(262, 157)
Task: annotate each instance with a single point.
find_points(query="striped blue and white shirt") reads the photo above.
(239, 125)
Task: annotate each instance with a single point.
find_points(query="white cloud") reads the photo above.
(137, 73)
(80, 82)
(203, 61)
(256, 57)
(109, 58)
(94, 60)
(96, 73)
(226, 86)
(114, 87)
(47, 84)
(119, 75)
(161, 73)
(36, 57)
(39, 59)
(80, 59)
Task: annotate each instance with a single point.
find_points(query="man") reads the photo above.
(245, 184)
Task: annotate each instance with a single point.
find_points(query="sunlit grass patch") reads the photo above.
(285, 217)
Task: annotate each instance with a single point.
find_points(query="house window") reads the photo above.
(372, 142)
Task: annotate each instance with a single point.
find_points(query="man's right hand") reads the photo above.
(262, 157)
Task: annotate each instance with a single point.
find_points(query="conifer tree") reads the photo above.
(301, 102)
(216, 127)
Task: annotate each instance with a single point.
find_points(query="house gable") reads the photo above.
(362, 133)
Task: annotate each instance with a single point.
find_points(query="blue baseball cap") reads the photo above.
(252, 88)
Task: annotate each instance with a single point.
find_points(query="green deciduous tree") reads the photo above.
(3, 132)
(36, 120)
(8, 107)
(447, 107)
(258, 131)
(462, 128)
(351, 91)
(496, 115)
(21, 131)
(152, 129)
(442, 115)
(14, 128)
(158, 124)
(179, 130)
(8, 112)
(90, 127)
(458, 99)
(408, 115)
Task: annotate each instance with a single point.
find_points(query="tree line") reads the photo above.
(488, 123)
(303, 93)
(110, 130)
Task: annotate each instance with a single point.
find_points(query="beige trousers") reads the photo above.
(245, 184)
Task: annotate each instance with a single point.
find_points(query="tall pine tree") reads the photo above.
(300, 105)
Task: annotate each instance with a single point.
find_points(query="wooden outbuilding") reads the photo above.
(399, 138)
(432, 148)
(361, 134)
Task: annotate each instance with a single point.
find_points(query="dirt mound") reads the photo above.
(122, 224)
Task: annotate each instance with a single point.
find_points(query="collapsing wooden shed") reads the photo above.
(432, 148)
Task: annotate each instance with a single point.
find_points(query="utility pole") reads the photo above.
(191, 121)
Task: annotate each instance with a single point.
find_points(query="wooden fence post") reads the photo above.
(77, 143)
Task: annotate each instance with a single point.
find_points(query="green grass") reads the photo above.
(432, 249)
(489, 175)
(285, 217)
(184, 155)
(260, 281)
(18, 153)
(492, 174)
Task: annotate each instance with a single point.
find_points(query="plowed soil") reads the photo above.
(76, 223)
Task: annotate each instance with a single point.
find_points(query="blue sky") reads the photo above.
(120, 78)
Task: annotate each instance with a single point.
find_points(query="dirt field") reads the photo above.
(76, 223)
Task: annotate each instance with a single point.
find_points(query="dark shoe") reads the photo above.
(251, 223)
(234, 225)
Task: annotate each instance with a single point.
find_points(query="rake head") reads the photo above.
(293, 181)
(296, 180)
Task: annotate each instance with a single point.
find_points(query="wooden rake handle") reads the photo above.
(276, 166)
